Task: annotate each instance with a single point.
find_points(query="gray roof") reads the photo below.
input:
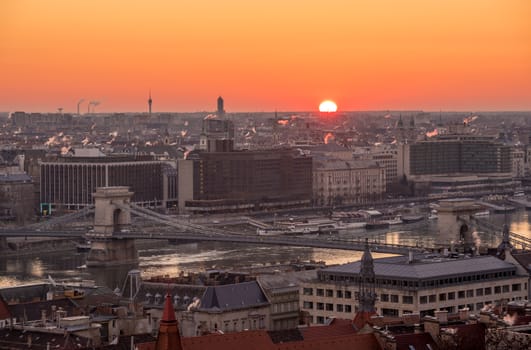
(284, 282)
(233, 296)
(426, 268)
(151, 294)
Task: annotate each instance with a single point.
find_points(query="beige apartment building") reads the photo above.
(423, 284)
(338, 182)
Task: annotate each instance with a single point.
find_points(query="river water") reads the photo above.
(164, 259)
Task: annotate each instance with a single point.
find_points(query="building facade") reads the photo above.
(337, 182)
(421, 285)
(457, 153)
(70, 182)
(239, 180)
(386, 157)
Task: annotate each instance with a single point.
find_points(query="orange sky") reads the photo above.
(265, 55)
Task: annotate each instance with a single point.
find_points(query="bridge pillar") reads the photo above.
(111, 215)
(454, 224)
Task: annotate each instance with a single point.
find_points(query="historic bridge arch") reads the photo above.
(111, 216)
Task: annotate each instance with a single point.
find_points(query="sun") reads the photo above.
(328, 106)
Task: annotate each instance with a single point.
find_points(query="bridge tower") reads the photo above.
(454, 224)
(111, 215)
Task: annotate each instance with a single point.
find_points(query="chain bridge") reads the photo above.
(113, 236)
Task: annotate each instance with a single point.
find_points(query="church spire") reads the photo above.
(168, 337)
(367, 294)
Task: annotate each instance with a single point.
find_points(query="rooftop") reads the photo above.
(426, 267)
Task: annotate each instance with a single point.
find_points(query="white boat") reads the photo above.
(394, 221)
(481, 214)
(272, 231)
(341, 225)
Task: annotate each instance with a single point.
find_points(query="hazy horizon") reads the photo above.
(265, 56)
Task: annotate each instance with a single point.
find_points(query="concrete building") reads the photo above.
(282, 290)
(518, 162)
(421, 284)
(456, 153)
(69, 182)
(17, 196)
(244, 180)
(384, 156)
(449, 160)
(337, 182)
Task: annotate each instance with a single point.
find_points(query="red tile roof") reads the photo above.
(336, 328)
(4, 310)
(345, 342)
(417, 340)
(255, 340)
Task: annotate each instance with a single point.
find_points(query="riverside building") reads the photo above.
(69, 182)
(421, 284)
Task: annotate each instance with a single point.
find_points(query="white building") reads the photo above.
(423, 285)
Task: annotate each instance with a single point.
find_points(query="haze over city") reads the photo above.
(262, 56)
(266, 175)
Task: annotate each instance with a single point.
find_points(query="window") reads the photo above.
(394, 298)
(407, 299)
(433, 298)
(479, 292)
(307, 305)
(320, 319)
(348, 294)
(442, 297)
(470, 293)
(339, 294)
(348, 308)
(320, 306)
(307, 291)
(461, 294)
(319, 292)
(390, 312)
(424, 299)
(488, 291)
(329, 293)
(339, 307)
(517, 287)
(505, 289)
(384, 297)
(329, 307)
(497, 289)
(451, 296)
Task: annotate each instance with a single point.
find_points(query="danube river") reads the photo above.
(164, 259)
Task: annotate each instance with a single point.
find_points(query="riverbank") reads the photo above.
(35, 246)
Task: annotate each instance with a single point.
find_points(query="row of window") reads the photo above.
(329, 293)
(420, 284)
(309, 305)
(516, 287)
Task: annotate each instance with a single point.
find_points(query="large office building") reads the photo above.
(421, 284)
(457, 163)
(244, 180)
(456, 153)
(69, 182)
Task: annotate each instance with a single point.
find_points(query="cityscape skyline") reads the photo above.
(416, 55)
